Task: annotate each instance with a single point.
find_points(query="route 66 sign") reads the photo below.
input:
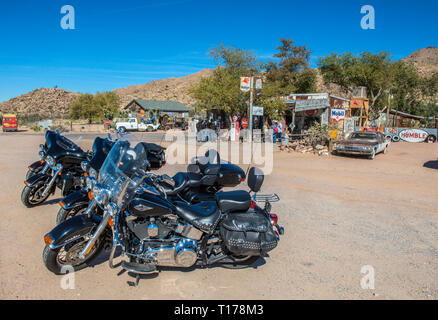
(245, 84)
(337, 114)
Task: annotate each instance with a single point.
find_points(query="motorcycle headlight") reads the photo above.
(59, 166)
(50, 161)
(93, 173)
(100, 194)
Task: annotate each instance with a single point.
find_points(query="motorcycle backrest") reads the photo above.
(255, 179)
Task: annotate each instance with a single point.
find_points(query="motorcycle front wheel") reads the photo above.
(59, 259)
(31, 196)
(64, 214)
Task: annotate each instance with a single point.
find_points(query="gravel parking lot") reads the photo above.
(339, 214)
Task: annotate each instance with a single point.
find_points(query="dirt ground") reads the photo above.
(339, 214)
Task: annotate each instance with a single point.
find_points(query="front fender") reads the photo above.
(71, 229)
(37, 166)
(36, 178)
(75, 199)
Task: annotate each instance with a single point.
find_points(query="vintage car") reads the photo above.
(367, 143)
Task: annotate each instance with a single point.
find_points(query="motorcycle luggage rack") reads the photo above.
(266, 197)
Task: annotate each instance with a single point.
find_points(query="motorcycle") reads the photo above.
(205, 177)
(82, 201)
(40, 165)
(153, 231)
(62, 168)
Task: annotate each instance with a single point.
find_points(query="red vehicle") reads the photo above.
(9, 122)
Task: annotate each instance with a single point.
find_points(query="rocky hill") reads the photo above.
(424, 60)
(174, 89)
(40, 101)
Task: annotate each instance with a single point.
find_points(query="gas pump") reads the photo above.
(234, 131)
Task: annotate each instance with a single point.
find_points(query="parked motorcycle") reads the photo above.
(62, 168)
(77, 202)
(153, 231)
(40, 165)
(82, 201)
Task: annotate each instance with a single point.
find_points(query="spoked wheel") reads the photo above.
(68, 255)
(32, 196)
(238, 262)
(64, 214)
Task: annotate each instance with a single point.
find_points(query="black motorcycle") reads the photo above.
(62, 168)
(153, 231)
(205, 177)
(77, 202)
(82, 201)
(40, 165)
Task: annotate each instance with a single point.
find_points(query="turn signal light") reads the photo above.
(62, 204)
(90, 196)
(48, 239)
(111, 222)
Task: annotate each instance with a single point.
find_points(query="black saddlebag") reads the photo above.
(248, 234)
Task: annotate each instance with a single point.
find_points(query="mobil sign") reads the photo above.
(337, 114)
(413, 135)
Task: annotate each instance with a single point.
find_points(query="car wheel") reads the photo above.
(372, 155)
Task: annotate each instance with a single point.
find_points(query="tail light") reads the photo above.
(274, 218)
(253, 204)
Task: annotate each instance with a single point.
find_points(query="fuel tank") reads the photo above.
(149, 205)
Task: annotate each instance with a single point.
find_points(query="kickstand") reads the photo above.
(137, 280)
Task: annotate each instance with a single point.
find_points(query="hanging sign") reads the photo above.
(337, 114)
(245, 84)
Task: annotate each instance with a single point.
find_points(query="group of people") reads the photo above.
(277, 130)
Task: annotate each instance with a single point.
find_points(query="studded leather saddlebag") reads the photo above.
(248, 234)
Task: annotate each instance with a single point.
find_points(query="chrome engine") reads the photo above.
(165, 241)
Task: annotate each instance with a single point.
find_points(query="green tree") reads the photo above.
(373, 71)
(95, 107)
(221, 90)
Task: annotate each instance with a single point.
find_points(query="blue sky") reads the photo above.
(121, 43)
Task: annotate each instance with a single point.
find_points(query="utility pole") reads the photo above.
(251, 98)
(389, 107)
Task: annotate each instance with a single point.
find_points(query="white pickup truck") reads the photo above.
(133, 125)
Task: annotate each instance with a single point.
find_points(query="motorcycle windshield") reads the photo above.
(123, 168)
(101, 148)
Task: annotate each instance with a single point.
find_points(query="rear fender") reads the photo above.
(36, 178)
(75, 199)
(71, 230)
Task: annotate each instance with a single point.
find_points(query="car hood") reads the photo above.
(358, 142)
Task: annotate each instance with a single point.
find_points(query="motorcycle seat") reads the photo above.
(239, 200)
(204, 215)
(183, 180)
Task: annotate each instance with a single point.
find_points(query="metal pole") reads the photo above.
(250, 108)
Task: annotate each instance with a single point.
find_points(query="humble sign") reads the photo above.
(413, 135)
